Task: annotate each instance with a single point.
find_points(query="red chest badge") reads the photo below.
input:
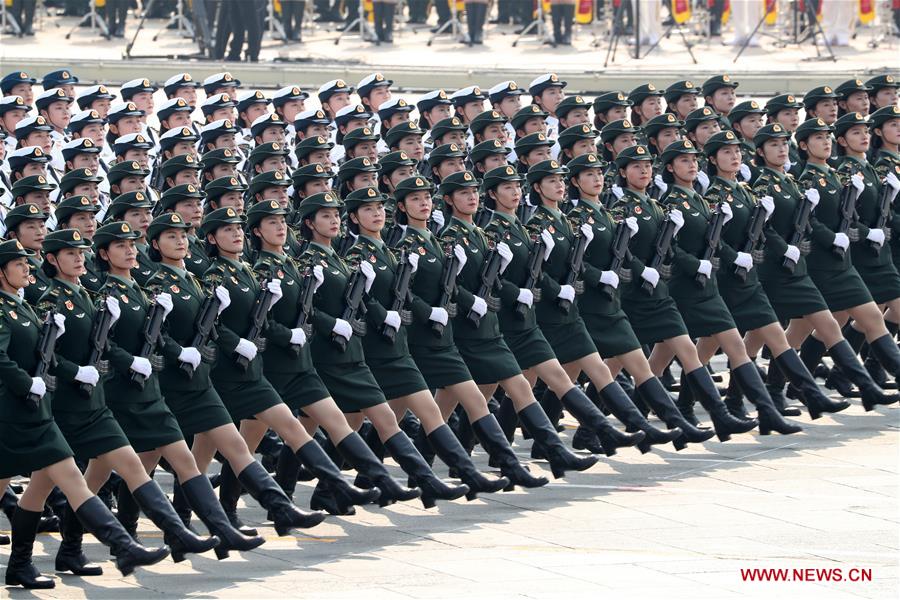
(124, 298)
(637, 210)
(686, 204)
(175, 289)
(280, 274)
(372, 259)
(13, 315)
(69, 305)
(551, 229)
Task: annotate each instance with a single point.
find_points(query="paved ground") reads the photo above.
(666, 524)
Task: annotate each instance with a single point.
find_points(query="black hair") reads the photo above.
(49, 270)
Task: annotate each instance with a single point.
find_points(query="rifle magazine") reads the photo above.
(537, 294)
(308, 330)
(103, 367)
(358, 327)
(625, 275)
(50, 380)
(260, 344)
(853, 234)
(493, 303)
(406, 317)
(579, 286)
(156, 362)
(451, 309)
(716, 262)
(208, 354)
(665, 271)
(805, 246)
(758, 256)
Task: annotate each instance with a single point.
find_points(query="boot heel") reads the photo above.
(428, 501)
(472, 495)
(764, 429)
(222, 553)
(645, 447)
(680, 444)
(723, 436)
(177, 557)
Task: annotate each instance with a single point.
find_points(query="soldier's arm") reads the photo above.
(15, 378)
(276, 333)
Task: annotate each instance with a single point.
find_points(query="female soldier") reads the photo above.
(81, 412)
(517, 314)
(341, 367)
(134, 209)
(702, 308)
(31, 442)
(430, 334)
(27, 224)
(186, 200)
(139, 409)
(188, 391)
(601, 307)
(885, 125)
(647, 303)
(791, 292)
(743, 293)
(389, 358)
(479, 340)
(288, 365)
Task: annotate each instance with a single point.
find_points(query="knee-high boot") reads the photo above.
(789, 364)
(69, 556)
(180, 539)
(358, 454)
(229, 494)
(344, 494)
(615, 398)
(264, 490)
(454, 456)
(885, 351)
(409, 459)
(561, 458)
(198, 492)
(20, 570)
(494, 442)
(685, 402)
(872, 395)
(127, 511)
(658, 399)
(724, 422)
(753, 387)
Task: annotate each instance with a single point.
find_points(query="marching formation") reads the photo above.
(327, 285)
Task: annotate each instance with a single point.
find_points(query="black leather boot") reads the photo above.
(370, 436)
(659, 400)
(264, 490)
(586, 439)
(872, 395)
(69, 556)
(507, 418)
(561, 458)
(552, 407)
(816, 402)
(734, 400)
(494, 442)
(453, 455)
(589, 415)
(180, 539)
(886, 353)
(621, 406)
(198, 492)
(229, 494)
(775, 381)
(706, 392)
(685, 402)
(127, 511)
(97, 519)
(180, 503)
(753, 387)
(409, 459)
(286, 470)
(20, 570)
(358, 454)
(345, 495)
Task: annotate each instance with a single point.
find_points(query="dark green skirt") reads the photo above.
(244, 399)
(91, 433)
(841, 289)
(704, 315)
(489, 360)
(653, 318)
(530, 347)
(793, 296)
(299, 389)
(27, 447)
(198, 410)
(440, 368)
(148, 425)
(611, 333)
(397, 377)
(749, 306)
(570, 341)
(883, 282)
(352, 386)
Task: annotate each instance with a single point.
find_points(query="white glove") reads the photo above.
(877, 236)
(365, 267)
(744, 260)
(676, 217)
(566, 292)
(479, 306)
(88, 375)
(506, 255)
(858, 181)
(787, 165)
(274, 288)
(38, 387)
(298, 337)
(726, 210)
(610, 278)
(813, 197)
(319, 276)
(549, 243)
(525, 297)
(658, 182)
(60, 321)
(141, 366)
(588, 232)
(438, 217)
(650, 275)
(841, 240)
(768, 204)
(224, 297)
(112, 305)
(705, 268)
(792, 253)
(164, 300)
(632, 225)
(392, 320)
(460, 254)
(703, 180)
(892, 181)
(617, 191)
(413, 261)
(342, 328)
(247, 349)
(439, 315)
(745, 172)
(190, 355)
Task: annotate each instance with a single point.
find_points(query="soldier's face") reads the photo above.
(138, 155)
(577, 116)
(121, 254)
(685, 104)
(370, 216)
(509, 106)
(132, 183)
(16, 272)
(827, 110)
(182, 148)
(272, 134)
(890, 131)
(464, 201)
(316, 186)
(86, 161)
(320, 156)
(539, 154)
(550, 99)
(616, 113)
(590, 182)
(85, 223)
(775, 152)
(24, 90)
(454, 137)
(58, 114)
(535, 125)
(318, 130)
(417, 206)
(223, 170)
(684, 167)
(273, 163)
(254, 111)
(138, 218)
(552, 187)
(229, 238)
(190, 211)
(292, 108)
(34, 168)
(886, 97)
(638, 174)
(338, 101)
(234, 200)
(789, 118)
(226, 112)
(449, 166)
(144, 101)
(749, 125)
(472, 109)
(723, 99)
(494, 131)
(188, 94)
(40, 198)
(651, 106)
(178, 119)
(223, 141)
(401, 173)
(818, 145)
(582, 147)
(666, 136)
(706, 130)
(68, 89)
(278, 194)
(41, 139)
(622, 141)
(379, 96)
(396, 119)
(439, 113)
(101, 105)
(69, 262)
(493, 161)
(172, 244)
(366, 149)
(11, 117)
(413, 146)
(728, 159)
(856, 139)
(96, 132)
(31, 233)
(507, 195)
(363, 180)
(187, 176)
(273, 230)
(128, 125)
(327, 223)
(856, 102)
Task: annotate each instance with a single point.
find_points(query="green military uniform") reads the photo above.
(194, 402)
(654, 317)
(39, 280)
(888, 161)
(29, 439)
(345, 374)
(86, 422)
